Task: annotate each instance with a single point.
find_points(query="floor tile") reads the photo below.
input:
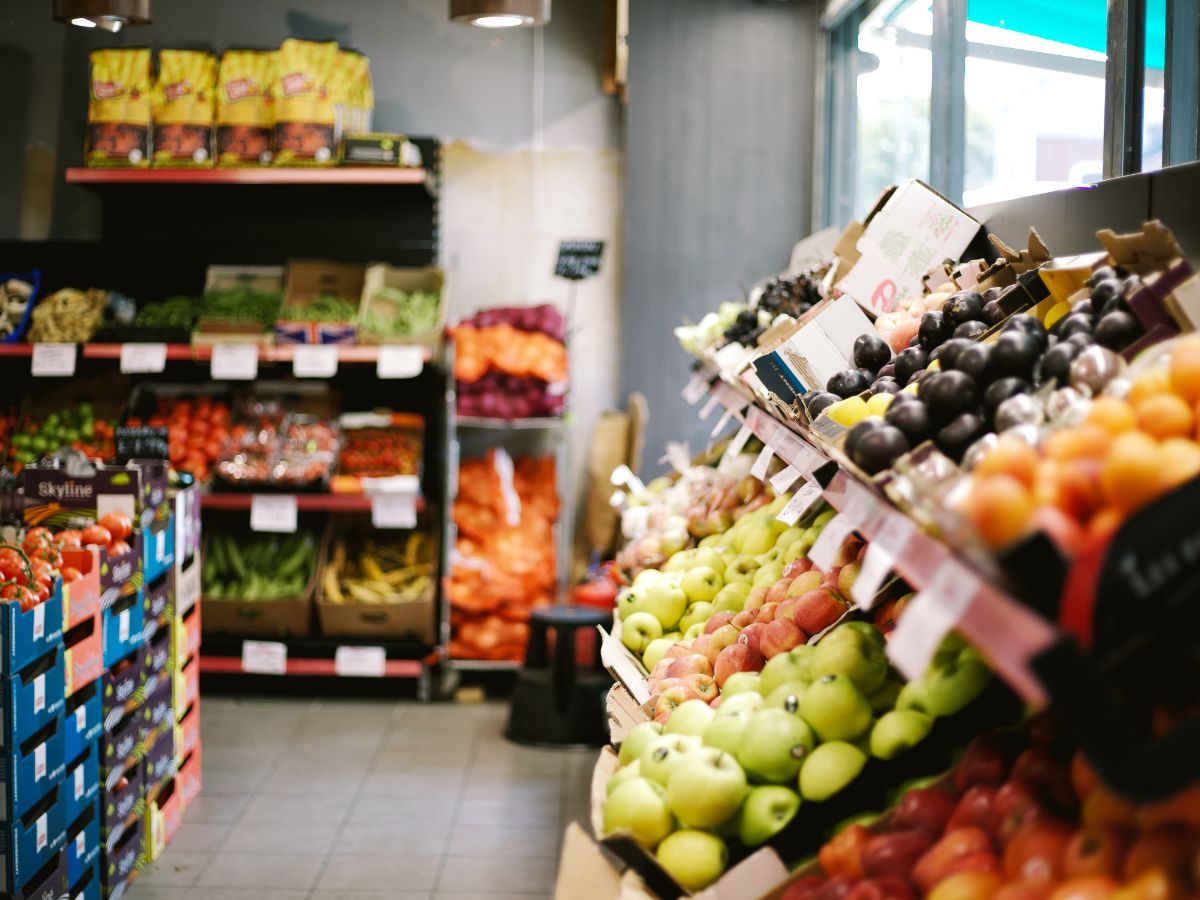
(473, 840)
(511, 812)
(372, 809)
(491, 873)
(213, 806)
(239, 894)
(419, 837)
(311, 838)
(344, 872)
(288, 809)
(261, 871)
(406, 780)
(368, 895)
(326, 781)
(490, 895)
(199, 837)
(181, 868)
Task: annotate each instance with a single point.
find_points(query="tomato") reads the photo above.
(41, 594)
(38, 537)
(9, 591)
(70, 573)
(118, 548)
(119, 525)
(95, 535)
(13, 567)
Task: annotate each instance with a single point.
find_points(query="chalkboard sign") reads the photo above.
(141, 442)
(578, 260)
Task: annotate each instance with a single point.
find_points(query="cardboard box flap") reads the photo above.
(311, 278)
(584, 872)
(1154, 247)
(621, 665)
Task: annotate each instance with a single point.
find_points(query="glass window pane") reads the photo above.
(1153, 94)
(894, 78)
(1034, 97)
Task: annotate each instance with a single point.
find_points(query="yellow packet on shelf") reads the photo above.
(184, 108)
(118, 132)
(306, 112)
(246, 107)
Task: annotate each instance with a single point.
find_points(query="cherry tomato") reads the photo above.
(13, 567)
(38, 537)
(119, 525)
(117, 548)
(70, 573)
(96, 535)
(71, 539)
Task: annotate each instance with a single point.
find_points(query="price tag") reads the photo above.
(928, 618)
(264, 657)
(160, 545)
(362, 662)
(81, 844)
(234, 362)
(136, 358)
(875, 566)
(42, 831)
(399, 361)
(824, 551)
(315, 361)
(81, 718)
(39, 621)
(394, 510)
(722, 422)
(783, 480)
(123, 625)
(707, 409)
(678, 456)
(54, 360)
(696, 387)
(39, 764)
(738, 443)
(39, 693)
(802, 502)
(78, 782)
(273, 513)
(762, 464)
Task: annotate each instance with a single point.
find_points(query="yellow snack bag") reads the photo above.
(246, 107)
(184, 106)
(306, 114)
(353, 93)
(118, 132)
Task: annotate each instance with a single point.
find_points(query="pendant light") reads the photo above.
(111, 15)
(501, 13)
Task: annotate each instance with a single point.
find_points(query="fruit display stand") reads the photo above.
(751, 738)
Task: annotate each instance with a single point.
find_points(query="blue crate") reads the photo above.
(34, 696)
(81, 785)
(83, 846)
(88, 886)
(122, 624)
(34, 278)
(83, 720)
(24, 636)
(30, 769)
(31, 842)
(158, 549)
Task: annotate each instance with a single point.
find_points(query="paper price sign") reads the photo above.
(139, 358)
(273, 514)
(315, 361)
(802, 502)
(39, 622)
(39, 693)
(39, 766)
(928, 618)
(264, 657)
(394, 510)
(824, 551)
(738, 443)
(876, 564)
(361, 662)
(707, 409)
(762, 464)
(696, 387)
(234, 362)
(783, 480)
(722, 422)
(399, 361)
(54, 360)
(42, 832)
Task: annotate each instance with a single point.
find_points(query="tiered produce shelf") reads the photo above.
(292, 176)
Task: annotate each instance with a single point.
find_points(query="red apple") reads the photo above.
(725, 636)
(849, 550)
(778, 591)
(819, 609)
(737, 658)
(797, 567)
(716, 621)
(1015, 806)
(667, 683)
(924, 809)
(689, 665)
(983, 762)
(744, 618)
(705, 686)
(802, 584)
(974, 808)
(756, 598)
(847, 576)
(830, 579)
(780, 636)
(717, 702)
(671, 698)
(1038, 768)
(766, 613)
(675, 651)
(705, 647)
(787, 609)
(752, 636)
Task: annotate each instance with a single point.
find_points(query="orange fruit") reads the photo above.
(1077, 490)
(1164, 416)
(1104, 523)
(1180, 460)
(1112, 414)
(1184, 371)
(1085, 441)
(1131, 473)
(1000, 508)
(1011, 456)
(1148, 384)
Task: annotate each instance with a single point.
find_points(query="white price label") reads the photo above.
(738, 442)
(875, 566)
(81, 844)
(39, 693)
(397, 510)
(762, 464)
(363, 662)
(160, 546)
(678, 457)
(722, 422)
(928, 618)
(696, 387)
(123, 625)
(784, 479)
(273, 513)
(396, 361)
(824, 551)
(895, 535)
(39, 763)
(234, 362)
(264, 657)
(54, 360)
(707, 409)
(802, 502)
(315, 361)
(81, 718)
(39, 621)
(139, 358)
(78, 781)
(42, 834)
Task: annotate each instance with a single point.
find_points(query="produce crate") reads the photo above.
(187, 732)
(381, 275)
(164, 814)
(263, 279)
(83, 720)
(29, 769)
(190, 779)
(82, 783)
(83, 846)
(308, 279)
(83, 654)
(122, 857)
(25, 635)
(33, 697)
(282, 617)
(81, 598)
(30, 849)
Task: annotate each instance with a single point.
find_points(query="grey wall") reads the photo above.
(431, 77)
(718, 140)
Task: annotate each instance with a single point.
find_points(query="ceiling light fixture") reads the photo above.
(110, 15)
(501, 13)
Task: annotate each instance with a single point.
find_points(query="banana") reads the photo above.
(333, 591)
(370, 568)
(364, 594)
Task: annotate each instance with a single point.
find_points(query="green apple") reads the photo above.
(786, 697)
(716, 541)
(679, 562)
(695, 859)
(774, 745)
(835, 708)
(767, 575)
(622, 775)
(788, 536)
(897, 731)
(640, 737)
(629, 601)
(787, 667)
(828, 769)
(732, 597)
(849, 652)
(672, 540)
(866, 629)
(706, 788)
(773, 508)
(795, 550)
(948, 650)
(765, 812)
(824, 518)
(913, 696)
(742, 569)
(760, 540)
(741, 683)
(701, 583)
(746, 702)
(639, 630)
(696, 614)
(708, 556)
(690, 717)
(666, 602)
(664, 754)
(726, 731)
(647, 577)
(885, 696)
(639, 807)
(656, 650)
(952, 686)
(694, 632)
(772, 555)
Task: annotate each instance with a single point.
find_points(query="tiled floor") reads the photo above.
(342, 800)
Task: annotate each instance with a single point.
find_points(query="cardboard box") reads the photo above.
(122, 857)
(187, 685)
(378, 149)
(121, 808)
(122, 625)
(122, 688)
(382, 275)
(83, 845)
(83, 654)
(158, 543)
(189, 781)
(159, 762)
(158, 713)
(30, 847)
(187, 637)
(158, 659)
(187, 732)
(81, 785)
(157, 605)
(187, 583)
(821, 346)
(28, 770)
(88, 887)
(287, 616)
(81, 598)
(120, 749)
(83, 720)
(26, 635)
(261, 279)
(33, 697)
(187, 523)
(308, 279)
(164, 815)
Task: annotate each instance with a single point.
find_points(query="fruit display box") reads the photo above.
(187, 523)
(186, 642)
(81, 598)
(164, 815)
(122, 625)
(30, 769)
(157, 712)
(83, 845)
(623, 712)
(34, 696)
(88, 886)
(158, 542)
(25, 635)
(159, 762)
(31, 843)
(121, 575)
(81, 785)
(121, 859)
(83, 720)
(83, 654)
(187, 583)
(187, 684)
(187, 732)
(189, 781)
(46, 884)
(120, 749)
(121, 687)
(306, 280)
(157, 602)
(158, 661)
(121, 808)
